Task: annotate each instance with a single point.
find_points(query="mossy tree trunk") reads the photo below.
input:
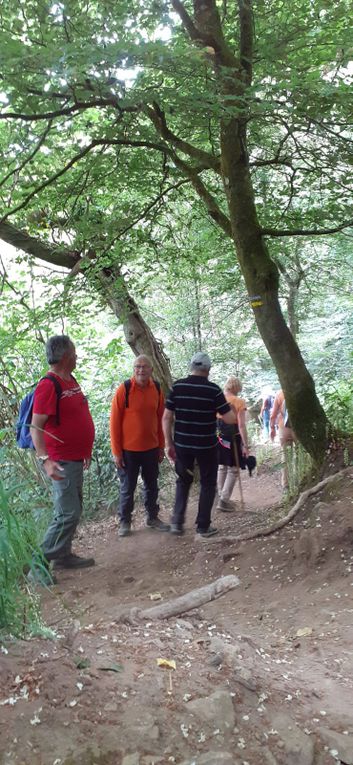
(234, 77)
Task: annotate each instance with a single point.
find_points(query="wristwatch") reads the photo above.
(42, 458)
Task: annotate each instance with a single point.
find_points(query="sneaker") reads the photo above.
(206, 533)
(156, 523)
(73, 561)
(41, 576)
(176, 529)
(226, 506)
(124, 529)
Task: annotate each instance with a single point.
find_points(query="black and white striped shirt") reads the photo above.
(195, 401)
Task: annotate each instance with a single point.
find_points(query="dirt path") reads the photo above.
(263, 675)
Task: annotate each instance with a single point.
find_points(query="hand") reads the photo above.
(53, 470)
(171, 453)
(273, 433)
(119, 461)
(87, 463)
(245, 451)
(160, 455)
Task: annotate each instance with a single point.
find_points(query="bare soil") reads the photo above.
(262, 675)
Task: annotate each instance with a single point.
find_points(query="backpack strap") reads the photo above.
(127, 385)
(58, 391)
(158, 386)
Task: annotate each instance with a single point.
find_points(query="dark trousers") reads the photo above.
(208, 465)
(148, 463)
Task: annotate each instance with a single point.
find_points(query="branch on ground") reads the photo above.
(187, 602)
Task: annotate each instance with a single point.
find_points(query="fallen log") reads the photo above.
(184, 603)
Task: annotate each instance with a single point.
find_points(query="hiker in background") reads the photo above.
(265, 413)
(231, 438)
(279, 417)
(137, 443)
(191, 409)
(62, 432)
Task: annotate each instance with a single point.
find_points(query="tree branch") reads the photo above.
(212, 206)
(63, 256)
(30, 157)
(77, 157)
(285, 162)
(39, 249)
(305, 232)
(187, 21)
(152, 204)
(157, 116)
(76, 107)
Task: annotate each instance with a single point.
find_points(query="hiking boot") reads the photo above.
(177, 529)
(226, 506)
(41, 576)
(124, 529)
(73, 561)
(206, 533)
(156, 523)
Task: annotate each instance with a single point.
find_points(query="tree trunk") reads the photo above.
(261, 275)
(137, 333)
(111, 285)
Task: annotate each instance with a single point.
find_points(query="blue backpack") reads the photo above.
(23, 433)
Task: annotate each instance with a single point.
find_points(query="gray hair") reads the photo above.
(143, 357)
(56, 346)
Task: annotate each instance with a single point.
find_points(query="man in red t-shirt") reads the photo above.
(63, 434)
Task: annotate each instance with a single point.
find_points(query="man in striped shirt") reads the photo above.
(191, 408)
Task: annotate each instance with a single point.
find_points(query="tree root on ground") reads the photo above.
(287, 518)
(187, 602)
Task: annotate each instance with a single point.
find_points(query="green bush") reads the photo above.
(339, 405)
(19, 607)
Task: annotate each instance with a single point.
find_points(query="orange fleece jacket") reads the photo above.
(139, 427)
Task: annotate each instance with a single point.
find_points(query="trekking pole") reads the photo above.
(236, 455)
(36, 427)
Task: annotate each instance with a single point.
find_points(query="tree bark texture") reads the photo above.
(110, 283)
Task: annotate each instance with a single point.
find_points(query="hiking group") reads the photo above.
(196, 423)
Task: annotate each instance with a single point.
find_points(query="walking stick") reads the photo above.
(236, 455)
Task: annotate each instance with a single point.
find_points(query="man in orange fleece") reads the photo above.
(138, 443)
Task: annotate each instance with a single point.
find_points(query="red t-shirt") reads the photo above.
(76, 428)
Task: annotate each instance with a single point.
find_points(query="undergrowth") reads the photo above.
(19, 606)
